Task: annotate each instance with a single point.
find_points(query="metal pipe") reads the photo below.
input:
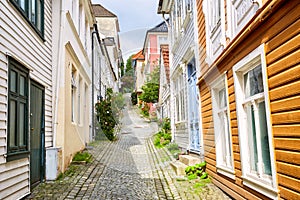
(93, 67)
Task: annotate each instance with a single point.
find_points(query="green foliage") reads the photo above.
(154, 75)
(72, 170)
(145, 110)
(192, 176)
(134, 98)
(122, 69)
(197, 170)
(151, 87)
(82, 156)
(109, 111)
(166, 124)
(162, 139)
(129, 64)
(150, 92)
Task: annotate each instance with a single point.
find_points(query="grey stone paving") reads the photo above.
(129, 168)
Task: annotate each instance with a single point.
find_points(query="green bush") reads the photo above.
(162, 139)
(197, 170)
(108, 112)
(134, 98)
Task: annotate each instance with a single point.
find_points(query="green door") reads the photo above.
(37, 132)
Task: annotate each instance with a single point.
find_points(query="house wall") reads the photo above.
(280, 33)
(182, 50)
(19, 41)
(74, 52)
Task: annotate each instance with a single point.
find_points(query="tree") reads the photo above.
(128, 78)
(129, 64)
(150, 92)
(151, 87)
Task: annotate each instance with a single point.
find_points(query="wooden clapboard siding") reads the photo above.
(20, 40)
(283, 61)
(280, 33)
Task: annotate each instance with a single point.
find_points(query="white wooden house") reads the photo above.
(164, 83)
(26, 94)
(184, 70)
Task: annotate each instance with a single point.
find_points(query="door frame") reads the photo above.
(192, 74)
(42, 147)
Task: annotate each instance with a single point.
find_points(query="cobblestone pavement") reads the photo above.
(129, 168)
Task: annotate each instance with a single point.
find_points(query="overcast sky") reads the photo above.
(135, 18)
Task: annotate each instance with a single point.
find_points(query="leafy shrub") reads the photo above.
(134, 98)
(166, 124)
(197, 170)
(162, 139)
(108, 112)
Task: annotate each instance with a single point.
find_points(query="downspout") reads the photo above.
(93, 100)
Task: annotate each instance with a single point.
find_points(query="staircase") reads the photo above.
(183, 162)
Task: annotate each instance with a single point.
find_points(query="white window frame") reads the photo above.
(266, 185)
(222, 128)
(179, 94)
(234, 25)
(215, 30)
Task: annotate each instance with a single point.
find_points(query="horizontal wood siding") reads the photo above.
(283, 61)
(18, 38)
(280, 33)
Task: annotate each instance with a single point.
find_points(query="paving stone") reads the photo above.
(129, 168)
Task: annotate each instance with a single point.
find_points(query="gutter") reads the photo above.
(259, 17)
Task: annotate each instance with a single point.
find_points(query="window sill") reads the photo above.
(226, 172)
(17, 156)
(261, 186)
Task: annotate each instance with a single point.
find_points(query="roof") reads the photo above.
(162, 27)
(165, 56)
(100, 11)
(138, 56)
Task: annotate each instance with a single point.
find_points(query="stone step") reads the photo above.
(179, 167)
(189, 160)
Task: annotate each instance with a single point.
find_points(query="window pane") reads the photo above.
(13, 81)
(253, 83)
(32, 14)
(22, 118)
(39, 15)
(222, 98)
(12, 123)
(22, 85)
(22, 4)
(252, 137)
(264, 138)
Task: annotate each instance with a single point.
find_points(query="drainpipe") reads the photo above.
(95, 32)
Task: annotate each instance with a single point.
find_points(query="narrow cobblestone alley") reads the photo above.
(129, 168)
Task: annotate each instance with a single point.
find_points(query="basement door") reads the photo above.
(193, 108)
(37, 133)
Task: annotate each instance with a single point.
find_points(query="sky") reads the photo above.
(135, 18)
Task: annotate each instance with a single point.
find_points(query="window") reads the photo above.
(239, 13)
(73, 94)
(180, 98)
(33, 10)
(214, 11)
(17, 109)
(79, 100)
(254, 124)
(222, 127)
